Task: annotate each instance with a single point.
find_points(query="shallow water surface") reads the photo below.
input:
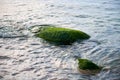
(25, 57)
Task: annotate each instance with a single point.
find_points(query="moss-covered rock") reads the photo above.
(60, 35)
(88, 67)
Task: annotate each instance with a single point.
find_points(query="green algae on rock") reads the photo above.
(88, 67)
(60, 35)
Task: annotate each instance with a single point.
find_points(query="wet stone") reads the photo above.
(60, 36)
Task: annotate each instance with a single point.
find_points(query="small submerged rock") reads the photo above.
(59, 35)
(4, 57)
(88, 67)
(10, 32)
(1, 77)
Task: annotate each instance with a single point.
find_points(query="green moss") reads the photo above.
(85, 64)
(61, 35)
